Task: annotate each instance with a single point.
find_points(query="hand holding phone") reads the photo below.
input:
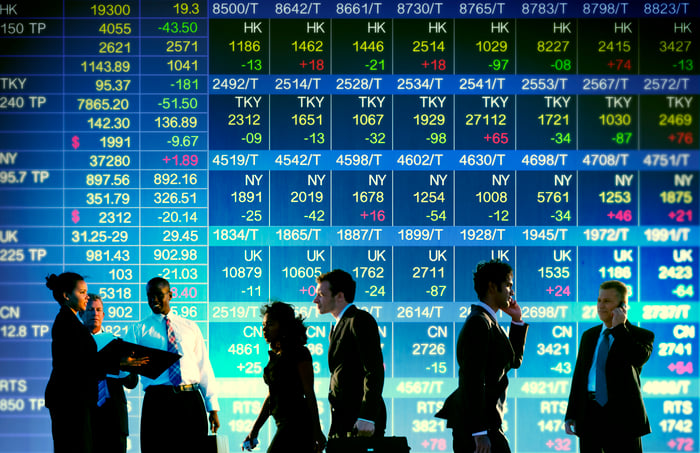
(249, 444)
(619, 315)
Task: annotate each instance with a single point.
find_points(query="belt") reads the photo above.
(173, 388)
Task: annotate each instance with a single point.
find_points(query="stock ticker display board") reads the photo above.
(239, 149)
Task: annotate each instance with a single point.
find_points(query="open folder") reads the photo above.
(158, 360)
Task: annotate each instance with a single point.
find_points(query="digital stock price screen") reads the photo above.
(240, 149)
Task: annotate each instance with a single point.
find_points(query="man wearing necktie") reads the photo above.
(605, 407)
(485, 355)
(355, 360)
(175, 405)
(110, 424)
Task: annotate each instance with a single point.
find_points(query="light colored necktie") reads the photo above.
(174, 371)
(102, 392)
(601, 384)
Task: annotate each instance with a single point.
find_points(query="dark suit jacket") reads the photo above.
(630, 350)
(485, 355)
(71, 394)
(357, 372)
(76, 369)
(111, 423)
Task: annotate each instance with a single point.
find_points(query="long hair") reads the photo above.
(292, 328)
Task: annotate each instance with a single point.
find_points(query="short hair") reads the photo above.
(494, 271)
(62, 284)
(292, 328)
(339, 281)
(618, 286)
(158, 281)
(93, 296)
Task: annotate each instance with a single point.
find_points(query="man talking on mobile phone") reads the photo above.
(605, 408)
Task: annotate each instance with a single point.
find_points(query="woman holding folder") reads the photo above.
(72, 392)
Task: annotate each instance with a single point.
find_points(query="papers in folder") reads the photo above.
(158, 360)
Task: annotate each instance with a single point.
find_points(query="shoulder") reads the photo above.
(186, 325)
(66, 319)
(592, 332)
(640, 332)
(302, 354)
(358, 316)
(478, 318)
(145, 323)
(182, 322)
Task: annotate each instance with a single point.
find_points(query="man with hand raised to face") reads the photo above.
(175, 406)
(605, 407)
(485, 355)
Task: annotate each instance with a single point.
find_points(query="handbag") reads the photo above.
(368, 444)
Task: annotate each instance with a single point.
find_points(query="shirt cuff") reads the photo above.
(365, 420)
(518, 323)
(480, 433)
(212, 404)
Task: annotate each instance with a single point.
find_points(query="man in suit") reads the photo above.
(485, 355)
(110, 425)
(605, 408)
(354, 359)
(175, 404)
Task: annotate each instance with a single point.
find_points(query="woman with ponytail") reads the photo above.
(72, 391)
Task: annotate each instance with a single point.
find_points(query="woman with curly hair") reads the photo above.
(290, 378)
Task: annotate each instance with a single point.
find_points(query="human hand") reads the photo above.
(214, 421)
(249, 443)
(133, 361)
(319, 441)
(483, 444)
(364, 428)
(514, 311)
(619, 315)
(570, 427)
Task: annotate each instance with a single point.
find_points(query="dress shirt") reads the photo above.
(591, 372)
(195, 367)
(342, 312)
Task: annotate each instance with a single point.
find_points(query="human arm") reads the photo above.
(483, 444)
(514, 311)
(574, 418)
(207, 381)
(473, 352)
(306, 374)
(259, 422)
(369, 350)
(635, 344)
(637, 348)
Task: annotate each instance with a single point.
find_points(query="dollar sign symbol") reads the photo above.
(75, 216)
(76, 142)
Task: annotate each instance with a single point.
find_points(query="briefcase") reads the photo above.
(368, 445)
(216, 444)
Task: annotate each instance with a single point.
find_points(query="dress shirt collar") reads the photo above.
(488, 309)
(342, 312)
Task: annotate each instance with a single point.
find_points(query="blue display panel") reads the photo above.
(240, 149)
